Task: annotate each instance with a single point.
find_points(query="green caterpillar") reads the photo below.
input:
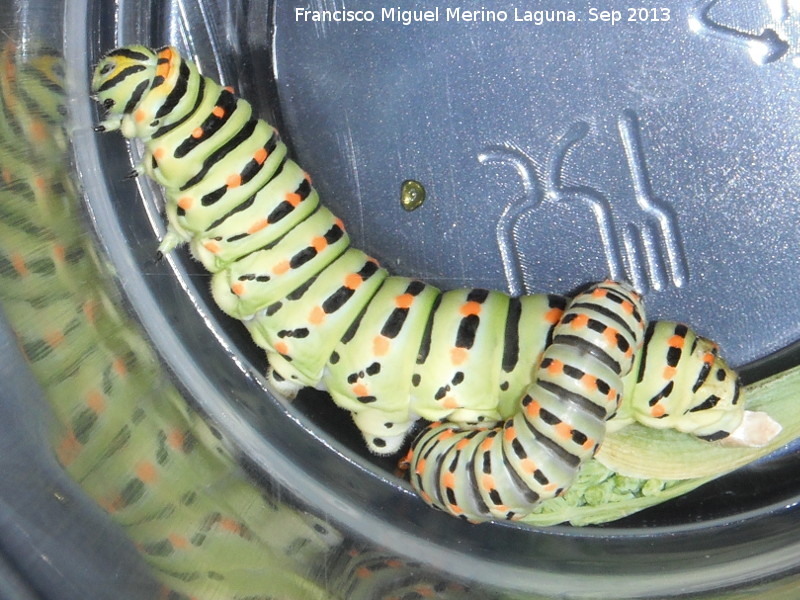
(519, 389)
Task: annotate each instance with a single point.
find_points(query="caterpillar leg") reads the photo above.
(504, 471)
(281, 386)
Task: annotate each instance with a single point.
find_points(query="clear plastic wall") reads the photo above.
(142, 456)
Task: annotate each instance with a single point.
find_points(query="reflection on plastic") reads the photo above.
(774, 43)
(124, 432)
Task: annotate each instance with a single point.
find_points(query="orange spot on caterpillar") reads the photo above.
(218, 112)
(59, 253)
(339, 223)
(611, 336)
(380, 345)
(231, 525)
(600, 293)
(90, 311)
(528, 466)
(197, 133)
(260, 156)
(405, 462)
(233, 180)
(394, 563)
(282, 267)
(487, 482)
(658, 411)
(404, 301)
(175, 439)
(627, 307)
(146, 471)
(319, 243)
(676, 341)
(589, 382)
(353, 281)
(112, 505)
(229, 89)
(486, 444)
(420, 466)
(553, 315)
(186, 202)
(96, 401)
(178, 541)
(281, 348)
(556, 367)
(455, 509)
(68, 449)
(140, 115)
(360, 390)
(509, 433)
(448, 479)
(588, 445)
(54, 339)
(159, 153)
(163, 69)
(317, 315)
(258, 226)
(462, 444)
(293, 198)
(458, 355)
(580, 322)
(450, 402)
(38, 131)
(470, 308)
(363, 572)
(669, 372)
(18, 262)
(119, 367)
(564, 431)
(238, 288)
(446, 434)
(40, 183)
(708, 358)
(533, 409)
(212, 246)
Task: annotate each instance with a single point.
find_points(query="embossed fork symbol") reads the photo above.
(647, 251)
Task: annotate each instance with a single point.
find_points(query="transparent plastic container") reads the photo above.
(142, 455)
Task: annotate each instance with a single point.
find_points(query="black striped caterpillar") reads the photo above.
(518, 389)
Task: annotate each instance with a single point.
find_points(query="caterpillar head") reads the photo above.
(120, 80)
(684, 384)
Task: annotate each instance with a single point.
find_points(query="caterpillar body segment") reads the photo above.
(502, 472)
(523, 387)
(301, 332)
(691, 390)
